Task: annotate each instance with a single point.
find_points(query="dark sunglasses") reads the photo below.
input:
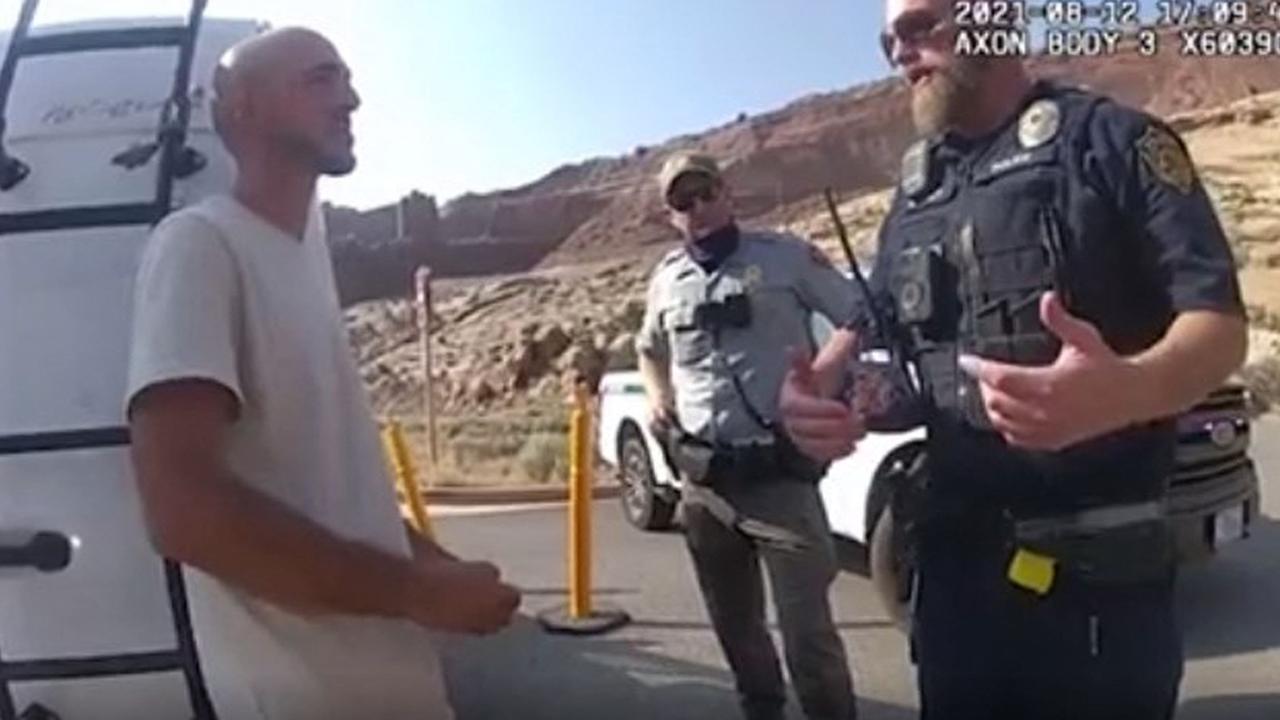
(683, 197)
(912, 28)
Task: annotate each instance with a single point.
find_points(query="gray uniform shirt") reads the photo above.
(786, 280)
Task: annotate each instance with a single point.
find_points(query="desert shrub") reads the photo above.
(544, 459)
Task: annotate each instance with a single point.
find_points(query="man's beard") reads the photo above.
(335, 164)
(941, 103)
(330, 161)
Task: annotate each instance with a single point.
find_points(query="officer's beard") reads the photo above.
(941, 102)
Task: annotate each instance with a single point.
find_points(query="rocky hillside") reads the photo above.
(507, 348)
(606, 208)
(506, 352)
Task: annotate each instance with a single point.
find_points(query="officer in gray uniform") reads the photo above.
(723, 313)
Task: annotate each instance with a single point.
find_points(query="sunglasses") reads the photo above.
(911, 28)
(685, 195)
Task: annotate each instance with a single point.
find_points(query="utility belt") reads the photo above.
(704, 463)
(705, 466)
(1111, 545)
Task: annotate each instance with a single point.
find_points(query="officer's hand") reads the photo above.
(463, 597)
(824, 429)
(659, 415)
(1083, 394)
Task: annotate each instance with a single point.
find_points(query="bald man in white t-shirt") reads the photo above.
(256, 453)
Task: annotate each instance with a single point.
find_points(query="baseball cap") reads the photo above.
(682, 163)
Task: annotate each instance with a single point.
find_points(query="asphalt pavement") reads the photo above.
(666, 662)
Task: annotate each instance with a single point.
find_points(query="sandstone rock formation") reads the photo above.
(606, 208)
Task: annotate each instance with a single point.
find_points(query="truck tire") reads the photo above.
(887, 569)
(644, 504)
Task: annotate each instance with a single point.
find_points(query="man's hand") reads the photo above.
(658, 391)
(824, 429)
(463, 597)
(1088, 391)
(424, 548)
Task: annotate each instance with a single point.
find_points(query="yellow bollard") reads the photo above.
(406, 477)
(580, 505)
(580, 617)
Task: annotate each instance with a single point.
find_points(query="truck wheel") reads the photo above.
(889, 574)
(643, 504)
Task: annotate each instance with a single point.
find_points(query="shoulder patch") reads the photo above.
(818, 256)
(1167, 159)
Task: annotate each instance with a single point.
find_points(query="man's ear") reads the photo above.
(231, 105)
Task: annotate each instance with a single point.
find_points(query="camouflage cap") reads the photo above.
(682, 163)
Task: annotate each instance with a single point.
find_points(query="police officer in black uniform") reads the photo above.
(1052, 267)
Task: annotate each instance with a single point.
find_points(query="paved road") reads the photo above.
(667, 665)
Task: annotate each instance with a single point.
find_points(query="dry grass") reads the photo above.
(523, 447)
(544, 459)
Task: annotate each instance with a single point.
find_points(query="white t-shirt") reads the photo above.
(225, 296)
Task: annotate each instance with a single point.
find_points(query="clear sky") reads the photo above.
(476, 95)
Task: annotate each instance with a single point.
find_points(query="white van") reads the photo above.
(97, 146)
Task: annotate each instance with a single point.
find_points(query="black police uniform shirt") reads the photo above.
(1139, 243)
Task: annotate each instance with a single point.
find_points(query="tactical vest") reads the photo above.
(982, 233)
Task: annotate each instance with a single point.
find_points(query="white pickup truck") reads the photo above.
(1212, 499)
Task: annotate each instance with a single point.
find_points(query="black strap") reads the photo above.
(881, 326)
(751, 409)
(756, 417)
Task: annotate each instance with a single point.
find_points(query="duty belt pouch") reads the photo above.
(693, 459)
(688, 456)
(1131, 554)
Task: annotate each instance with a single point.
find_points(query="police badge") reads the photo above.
(1039, 123)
